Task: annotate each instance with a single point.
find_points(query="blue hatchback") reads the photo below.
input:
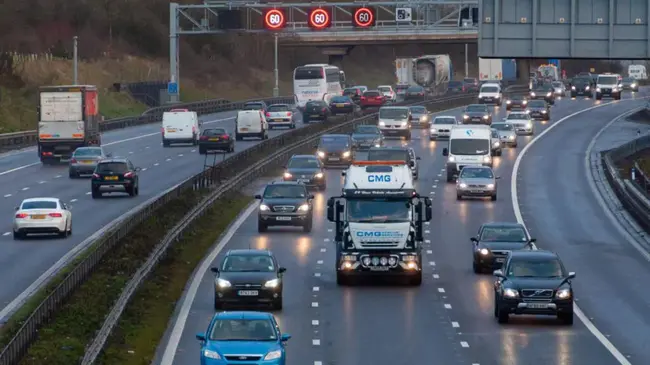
(243, 337)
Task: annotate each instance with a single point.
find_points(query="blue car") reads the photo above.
(243, 337)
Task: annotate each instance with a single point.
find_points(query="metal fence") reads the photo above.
(13, 141)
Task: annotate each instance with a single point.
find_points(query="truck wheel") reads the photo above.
(417, 280)
(261, 227)
(450, 176)
(342, 280)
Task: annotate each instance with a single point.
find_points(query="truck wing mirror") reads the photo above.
(428, 213)
(445, 152)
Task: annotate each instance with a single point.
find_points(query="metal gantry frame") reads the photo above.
(428, 16)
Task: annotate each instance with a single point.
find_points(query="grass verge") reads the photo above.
(146, 317)
(63, 340)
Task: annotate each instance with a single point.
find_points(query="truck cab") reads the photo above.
(379, 223)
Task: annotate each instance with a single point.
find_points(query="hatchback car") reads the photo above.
(280, 115)
(630, 84)
(441, 127)
(494, 242)
(539, 109)
(366, 136)
(216, 139)
(247, 277)
(420, 116)
(306, 169)
(476, 181)
(285, 204)
(415, 93)
(543, 92)
(335, 150)
(522, 122)
(84, 160)
(343, 105)
(516, 102)
(246, 337)
(477, 114)
(316, 110)
(42, 215)
(115, 175)
(372, 99)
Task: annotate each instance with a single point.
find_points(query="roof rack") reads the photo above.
(374, 163)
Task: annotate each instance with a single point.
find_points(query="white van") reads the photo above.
(395, 121)
(251, 123)
(180, 126)
(490, 93)
(468, 145)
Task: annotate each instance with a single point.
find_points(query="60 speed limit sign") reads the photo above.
(274, 19)
(319, 18)
(364, 17)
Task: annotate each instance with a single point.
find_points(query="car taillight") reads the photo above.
(128, 175)
(162, 130)
(203, 138)
(226, 137)
(324, 110)
(21, 215)
(73, 161)
(96, 176)
(268, 114)
(47, 153)
(56, 215)
(288, 114)
(363, 98)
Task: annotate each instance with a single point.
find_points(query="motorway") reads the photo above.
(449, 319)
(22, 176)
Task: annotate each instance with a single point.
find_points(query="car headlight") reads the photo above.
(573, 87)
(490, 186)
(321, 154)
(524, 102)
(319, 175)
(486, 117)
(527, 111)
(597, 89)
(497, 144)
(223, 283)
(287, 175)
(451, 159)
(346, 154)
(424, 118)
(586, 87)
(633, 85)
(532, 94)
(563, 294)
(511, 137)
(508, 102)
(275, 354)
(484, 251)
(510, 293)
(264, 207)
(487, 159)
(462, 185)
(465, 116)
(211, 354)
(529, 125)
(549, 94)
(303, 208)
(404, 124)
(543, 111)
(272, 283)
(382, 124)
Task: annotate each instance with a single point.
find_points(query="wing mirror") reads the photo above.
(499, 274)
(214, 270)
(445, 152)
(285, 337)
(16, 208)
(200, 337)
(282, 270)
(109, 155)
(258, 196)
(572, 275)
(497, 177)
(418, 158)
(474, 239)
(310, 197)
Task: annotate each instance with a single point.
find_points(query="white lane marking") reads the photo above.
(180, 155)
(323, 250)
(436, 276)
(144, 169)
(455, 324)
(188, 300)
(317, 275)
(42, 182)
(57, 176)
(447, 306)
(429, 252)
(427, 231)
(517, 210)
(147, 147)
(315, 288)
(314, 304)
(435, 186)
(25, 189)
(8, 195)
(441, 290)
(427, 223)
(327, 240)
(427, 241)
(318, 363)
(319, 262)
(88, 193)
(464, 344)
(314, 322)
(19, 168)
(6, 233)
(130, 152)
(329, 230)
(432, 263)
(156, 164)
(436, 180)
(315, 342)
(73, 200)
(169, 159)
(193, 151)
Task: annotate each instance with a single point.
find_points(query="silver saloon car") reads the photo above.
(507, 134)
(476, 181)
(84, 161)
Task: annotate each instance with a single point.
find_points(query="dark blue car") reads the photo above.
(243, 337)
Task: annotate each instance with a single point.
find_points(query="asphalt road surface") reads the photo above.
(449, 319)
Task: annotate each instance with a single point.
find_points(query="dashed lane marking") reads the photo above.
(464, 344)
(169, 159)
(73, 200)
(88, 193)
(436, 276)
(429, 252)
(319, 262)
(42, 182)
(315, 342)
(318, 363)
(315, 288)
(427, 241)
(156, 164)
(455, 324)
(314, 304)
(327, 240)
(441, 290)
(323, 250)
(6, 233)
(25, 189)
(427, 231)
(314, 322)
(57, 176)
(8, 195)
(432, 263)
(317, 275)
(447, 306)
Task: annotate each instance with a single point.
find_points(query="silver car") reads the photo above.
(522, 122)
(84, 161)
(559, 89)
(421, 117)
(507, 134)
(495, 140)
(476, 181)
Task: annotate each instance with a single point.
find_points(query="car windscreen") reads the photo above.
(303, 163)
(537, 104)
(88, 152)
(243, 330)
(528, 268)
(279, 108)
(214, 132)
(285, 191)
(503, 234)
(517, 97)
(112, 167)
(385, 89)
(444, 120)
(378, 211)
(388, 155)
(469, 81)
(244, 263)
(393, 113)
(332, 141)
(418, 110)
(477, 108)
(476, 173)
(503, 127)
(455, 83)
(367, 129)
(608, 80)
(352, 91)
(40, 204)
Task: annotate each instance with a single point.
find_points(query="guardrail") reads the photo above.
(13, 141)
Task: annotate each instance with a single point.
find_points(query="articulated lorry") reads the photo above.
(379, 223)
(68, 118)
(433, 72)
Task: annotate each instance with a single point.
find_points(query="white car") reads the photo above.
(280, 115)
(388, 92)
(441, 126)
(42, 215)
(522, 122)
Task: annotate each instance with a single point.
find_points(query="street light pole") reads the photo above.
(466, 61)
(276, 89)
(76, 59)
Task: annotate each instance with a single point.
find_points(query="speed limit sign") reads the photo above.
(319, 18)
(364, 17)
(274, 19)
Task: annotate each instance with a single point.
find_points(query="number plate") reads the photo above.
(111, 178)
(171, 130)
(340, 105)
(315, 115)
(334, 159)
(244, 129)
(303, 181)
(537, 305)
(477, 191)
(86, 162)
(248, 293)
(500, 260)
(282, 218)
(278, 120)
(38, 216)
(214, 139)
(379, 268)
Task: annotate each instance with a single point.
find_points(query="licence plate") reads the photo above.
(379, 268)
(86, 162)
(340, 105)
(315, 115)
(303, 181)
(476, 118)
(248, 293)
(500, 259)
(537, 305)
(171, 130)
(282, 218)
(111, 178)
(213, 139)
(38, 216)
(278, 120)
(477, 191)
(334, 159)
(244, 129)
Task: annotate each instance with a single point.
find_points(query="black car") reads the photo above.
(581, 86)
(455, 87)
(516, 102)
(305, 169)
(353, 93)
(335, 150)
(415, 93)
(543, 92)
(248, 277)
(539, 109)
(115, 175)
(285, 203)
(533, 282)
(394, 153)
(343, 105)
(256, 105)
(630, 84)
(316, 110)
(493, 244)
(216, 139)
(420, 116)
(477, 114)
(366, 136)
(470, 84)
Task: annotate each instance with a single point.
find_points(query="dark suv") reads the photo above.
(285, 203)
(115, 175)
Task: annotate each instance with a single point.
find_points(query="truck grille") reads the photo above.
(537, 293)
(284, 208)
(375, 244)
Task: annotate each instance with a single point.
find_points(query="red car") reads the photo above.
(372, 98)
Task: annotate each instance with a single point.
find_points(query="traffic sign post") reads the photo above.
(275, 19)
(172, 88)
(320, 19)
(364, 17)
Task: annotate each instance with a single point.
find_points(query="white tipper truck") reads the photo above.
(379, 223)
(433, 72)
(68, 118)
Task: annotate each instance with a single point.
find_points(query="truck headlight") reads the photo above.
(321, 154)
(487, 159)
(264, 207)
(272, 283)
(490, 186)
(573, 87)
(275, 354)
(382, 124)
(510, 293)
(221, 283)
(346, 154)
(484, 251)
(287, 175)
(404, 124)
(563, 294)
(303, 208)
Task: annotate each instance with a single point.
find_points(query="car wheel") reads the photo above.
(566, 318)
(277, 304)
(64, 233)
(493, 197)
(18, 235)
(308, 226)
(165, 143)
(73, 174)
(202, 151)
(261, 227)
(131, 191)
(137, 190)
(232, 149)
(96, 194)
(70, 229)
(502, 316)
(459, 197)
(476, 267)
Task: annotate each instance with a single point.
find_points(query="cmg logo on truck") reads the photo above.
(379, 234)
(379, 178)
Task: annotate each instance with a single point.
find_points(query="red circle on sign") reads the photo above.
(364, 17)
(274, 19)
(319, 18)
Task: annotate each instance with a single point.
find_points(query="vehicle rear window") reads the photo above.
(316, 103)
(279, 108)
(39, 205)
(384, 88)
(352, 91)
(415, 89)
(88, 152)
(455, 83)
(115, 167)
(341, 99)
(214, 132)
(285, 191)
(371, 93)
(388, 155)
(253, 106)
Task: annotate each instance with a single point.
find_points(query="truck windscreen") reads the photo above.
(378, 211)
(469, 147)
